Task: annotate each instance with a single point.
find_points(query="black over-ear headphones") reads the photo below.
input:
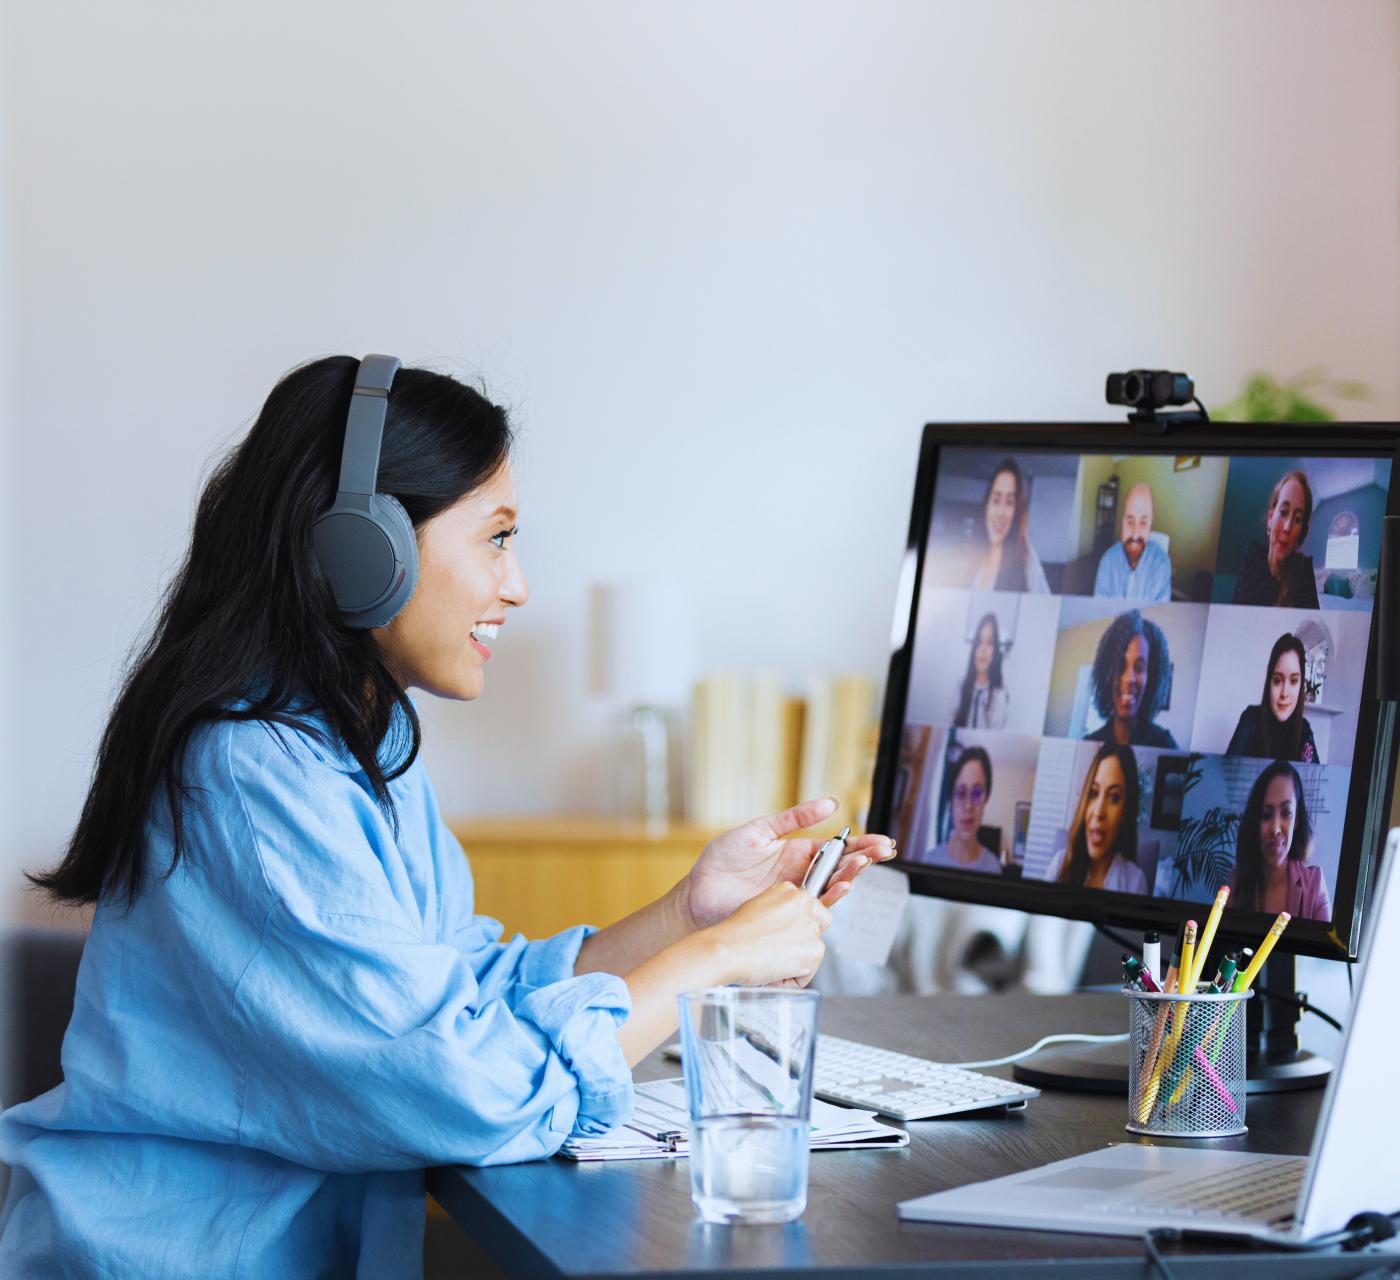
(365, 541)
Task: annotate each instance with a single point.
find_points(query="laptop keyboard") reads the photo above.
(1266, 1190)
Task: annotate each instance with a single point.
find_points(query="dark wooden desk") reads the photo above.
(634, 1218)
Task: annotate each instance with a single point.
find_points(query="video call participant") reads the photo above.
(1277, 573)
(1272, 873)
(982, 697)
(1129, 682)
(1102, 848)
(968, 796)
(1277, 729)
(1135, 567)
(1009, 562)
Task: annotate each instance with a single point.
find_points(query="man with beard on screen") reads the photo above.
(1135, 567)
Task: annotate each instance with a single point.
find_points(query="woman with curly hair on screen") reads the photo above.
(1130, 682)
(1272, 872)
(1102, 849)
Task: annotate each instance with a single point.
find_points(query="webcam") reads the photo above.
(1147, 391)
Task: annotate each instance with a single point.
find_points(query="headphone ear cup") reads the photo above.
(392, 520)
(369, 554)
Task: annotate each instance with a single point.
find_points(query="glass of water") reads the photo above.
(747, 1056)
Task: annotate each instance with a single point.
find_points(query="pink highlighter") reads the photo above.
(1203, 1065)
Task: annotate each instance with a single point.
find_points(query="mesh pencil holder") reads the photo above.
(1186, 1064)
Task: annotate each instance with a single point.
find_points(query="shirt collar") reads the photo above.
(327, 746)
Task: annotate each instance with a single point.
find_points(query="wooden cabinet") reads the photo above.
(540, 875)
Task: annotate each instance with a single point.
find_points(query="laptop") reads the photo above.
(1130, 1188)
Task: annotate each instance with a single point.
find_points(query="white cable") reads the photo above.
(1072, 1037)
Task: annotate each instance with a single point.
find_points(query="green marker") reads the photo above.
(1236, 985)
(1226, 974)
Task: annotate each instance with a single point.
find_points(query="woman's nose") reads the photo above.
(514, 589)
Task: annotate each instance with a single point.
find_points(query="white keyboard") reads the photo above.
(902, 1086)
(905, 1087)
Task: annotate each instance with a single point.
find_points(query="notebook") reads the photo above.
(660, 1124)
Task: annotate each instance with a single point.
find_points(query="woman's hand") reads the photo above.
(775, 937)
(742, 863)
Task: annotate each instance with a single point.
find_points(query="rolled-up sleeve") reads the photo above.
(367, 1046)
(580, 1016)
(364, 1049)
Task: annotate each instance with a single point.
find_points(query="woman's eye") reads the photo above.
(499, 538)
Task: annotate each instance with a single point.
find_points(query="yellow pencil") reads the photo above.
(1262, 954)
(1168, 1050)
(1186, 982)
(1208, 934)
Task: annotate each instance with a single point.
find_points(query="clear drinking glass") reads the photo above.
(747, 1057)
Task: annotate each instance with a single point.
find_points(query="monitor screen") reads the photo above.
(1128, 672)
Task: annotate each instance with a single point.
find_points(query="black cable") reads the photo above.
(1155, 1254)
(1299, 1002)
(1361, 1232)
(1118, 938)
(1196, 400)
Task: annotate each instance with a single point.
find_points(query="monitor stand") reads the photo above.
(1275, 1062)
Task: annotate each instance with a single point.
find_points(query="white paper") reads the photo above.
(662, 1106)
(870, 913)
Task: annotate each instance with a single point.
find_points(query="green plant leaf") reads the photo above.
(1269, 399)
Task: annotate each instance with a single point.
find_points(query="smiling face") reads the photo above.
(467, 577)
(1001, 507)
(1104, 812)
(982, 652)
(969, 798)
(1137, 523)
(1276, 821)
(1132, 679)
(1284, 523)
(1285, 685)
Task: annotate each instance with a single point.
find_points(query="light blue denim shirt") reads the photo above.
(1150, 582)
(268, 1050)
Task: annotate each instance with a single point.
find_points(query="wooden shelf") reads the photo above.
(539, 875)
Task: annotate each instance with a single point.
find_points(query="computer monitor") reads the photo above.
(1129, 668)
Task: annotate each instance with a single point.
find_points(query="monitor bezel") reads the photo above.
(1373, 757)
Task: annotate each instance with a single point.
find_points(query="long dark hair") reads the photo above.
(970, 679)
(1075, 869)
(1108, 665)
(1012, 574)
(1248, 876)
(1282, 741)
(248, 629)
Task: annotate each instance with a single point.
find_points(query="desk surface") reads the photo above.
(634, 1218)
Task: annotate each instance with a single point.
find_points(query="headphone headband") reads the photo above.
(364, 425)
(365, 541)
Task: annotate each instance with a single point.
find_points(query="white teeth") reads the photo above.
(486, 630)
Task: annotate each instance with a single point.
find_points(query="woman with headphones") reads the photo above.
(287, 1008)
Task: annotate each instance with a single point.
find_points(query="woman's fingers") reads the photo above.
(877, 848)
(806, 814)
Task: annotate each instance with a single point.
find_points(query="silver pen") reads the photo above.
(820, 868)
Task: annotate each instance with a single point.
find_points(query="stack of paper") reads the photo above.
(660, 1126)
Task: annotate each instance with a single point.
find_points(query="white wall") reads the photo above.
(722, 259)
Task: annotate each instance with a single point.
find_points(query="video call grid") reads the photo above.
(1195, 715)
